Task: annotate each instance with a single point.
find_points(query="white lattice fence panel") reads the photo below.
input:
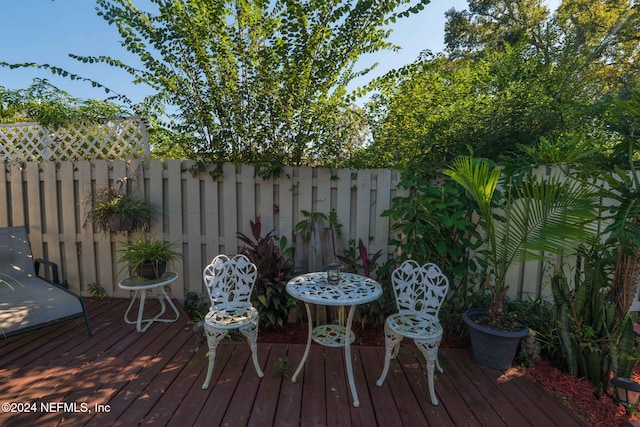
(115, 139)
(23, 142)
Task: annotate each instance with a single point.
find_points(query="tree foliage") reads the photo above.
(513, 73)
(493, 25)
(255, 81)
(44, 103)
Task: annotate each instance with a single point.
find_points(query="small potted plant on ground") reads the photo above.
(521, 221)
(148, 258)
(113, 211)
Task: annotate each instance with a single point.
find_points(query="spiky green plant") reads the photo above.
(138, 252)
(130, 213)
(521, 217)
(593, 341)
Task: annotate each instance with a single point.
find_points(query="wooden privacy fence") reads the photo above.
(203, 214)
(200, 213)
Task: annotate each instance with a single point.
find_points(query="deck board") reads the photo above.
(155, 378)
(290, 396)
(313, 411)
(263, 412)
(414, 370)
(364, 416)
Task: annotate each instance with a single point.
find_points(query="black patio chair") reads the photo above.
(28, 301)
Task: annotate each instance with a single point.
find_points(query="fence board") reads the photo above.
(5, 206)
(229, 210)
(104, 261)
(51, 218)
(382, 224)
(68, 225)
(343, 204)
(285, 202)
(211, 223)
(154, 184)
(264, 207)
(173, 206)
(121, 178)
(323, 191)
(193, 251)
(363, 206)
(247, 208)
(303, 189)
(86, 247)
(118, 175)
(34, 218)
(17, 195)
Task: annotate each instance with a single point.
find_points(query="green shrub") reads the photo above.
(433, 225)
(275, 268)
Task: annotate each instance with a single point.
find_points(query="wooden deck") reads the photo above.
(60, 375)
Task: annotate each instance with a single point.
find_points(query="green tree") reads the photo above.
(491, 25)
(252, 80)
(514, 74)
(46, 104)
(433, 113)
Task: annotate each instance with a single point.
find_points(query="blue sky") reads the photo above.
(46, 31)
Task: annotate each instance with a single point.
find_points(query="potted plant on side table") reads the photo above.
(148, 258)
(526, 217)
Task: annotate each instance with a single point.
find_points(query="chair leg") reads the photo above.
(391, 343)
(214, 336)
(251, 332)
(429, 350)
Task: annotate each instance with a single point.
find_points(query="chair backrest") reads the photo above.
(16, 260)
(230, 281)
(419, 288)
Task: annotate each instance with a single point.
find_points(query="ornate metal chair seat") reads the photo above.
(231, 317)
(420, 292)
(415, 326)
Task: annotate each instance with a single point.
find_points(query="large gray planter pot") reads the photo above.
(492, 348)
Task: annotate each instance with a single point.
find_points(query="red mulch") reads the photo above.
(577, 393)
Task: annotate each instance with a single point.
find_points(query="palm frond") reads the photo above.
(476, 176)
(536, 215)
(546, 215)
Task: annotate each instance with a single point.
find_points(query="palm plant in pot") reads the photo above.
(148, 258)
(521, 218)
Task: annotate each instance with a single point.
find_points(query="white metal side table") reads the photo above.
(353, 289)
(140, 286)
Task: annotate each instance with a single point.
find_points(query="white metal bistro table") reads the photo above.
(140, 286)
(353, 289)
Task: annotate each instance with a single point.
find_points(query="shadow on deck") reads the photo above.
(61, 375)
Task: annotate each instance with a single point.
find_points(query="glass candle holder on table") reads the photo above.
(333, 273)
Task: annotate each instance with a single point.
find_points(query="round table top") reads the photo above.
(135, 283)
(353, 289)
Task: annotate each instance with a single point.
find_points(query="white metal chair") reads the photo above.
(229, 282)
(420, 291)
